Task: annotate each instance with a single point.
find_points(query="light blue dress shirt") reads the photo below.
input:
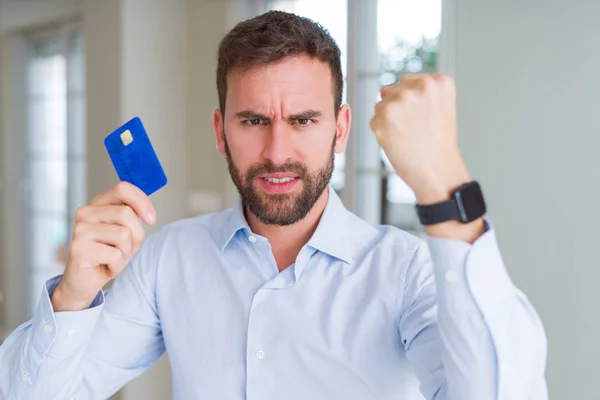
(340, 323)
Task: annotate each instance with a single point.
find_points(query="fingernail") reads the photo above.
(151, 217)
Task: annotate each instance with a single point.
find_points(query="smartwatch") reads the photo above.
(466, 205)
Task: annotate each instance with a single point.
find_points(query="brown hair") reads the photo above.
(272, 37)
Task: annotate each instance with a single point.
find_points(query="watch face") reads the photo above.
(470, 201)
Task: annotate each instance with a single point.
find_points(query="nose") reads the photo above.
(278, 146)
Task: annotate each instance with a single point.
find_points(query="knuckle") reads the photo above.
(78, 230)
(444, 78)
(124, 234)
(121, 188)
(82, 213)
(407, 77)
(386, 112)
(76, 244)
(138, 233)
(427, 82)
(124, 213)
(373, 125)
(114, 255)
(412, 95)
(449, 83)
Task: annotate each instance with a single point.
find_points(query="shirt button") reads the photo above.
(252, 239)
(70, 333)
(48, 328)
(260, 354)
(25, 377)
(452, 276)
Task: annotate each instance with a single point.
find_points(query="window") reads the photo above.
(332, 15)
(55, 150)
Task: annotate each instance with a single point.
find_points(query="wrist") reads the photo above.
(443, 184)
(456, 230)
(440, 192)
(63, 301)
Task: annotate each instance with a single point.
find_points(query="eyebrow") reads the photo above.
(308, 114)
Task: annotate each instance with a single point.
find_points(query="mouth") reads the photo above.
(278, 183)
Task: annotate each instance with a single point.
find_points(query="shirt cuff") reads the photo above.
(59, 333)
(478, 266)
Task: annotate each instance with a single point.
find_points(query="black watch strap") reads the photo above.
(465, 205)
(437, 213)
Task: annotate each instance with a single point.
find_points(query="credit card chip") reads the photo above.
(126, 138)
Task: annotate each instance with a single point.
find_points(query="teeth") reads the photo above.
(282, 180)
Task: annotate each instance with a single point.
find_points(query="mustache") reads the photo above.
(269, 167)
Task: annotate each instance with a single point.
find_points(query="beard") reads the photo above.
(282, 208)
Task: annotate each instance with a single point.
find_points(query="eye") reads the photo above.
(253, 122)
(304, 121)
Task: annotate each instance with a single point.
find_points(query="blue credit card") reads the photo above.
(134, 157)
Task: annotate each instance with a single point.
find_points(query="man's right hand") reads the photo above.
(106, 234)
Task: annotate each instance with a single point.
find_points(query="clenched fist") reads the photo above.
(106, 234)
(415, 124)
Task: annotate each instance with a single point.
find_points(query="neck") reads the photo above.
(286, 241)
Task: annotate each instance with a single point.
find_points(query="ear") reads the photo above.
(343, 128)
(218, 125)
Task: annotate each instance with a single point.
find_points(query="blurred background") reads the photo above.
(72, 71)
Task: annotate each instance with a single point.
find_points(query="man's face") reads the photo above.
(279, 136)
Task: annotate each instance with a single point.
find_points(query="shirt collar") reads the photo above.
(332, 235)
(235, 220)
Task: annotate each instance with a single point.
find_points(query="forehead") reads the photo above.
(299, 82)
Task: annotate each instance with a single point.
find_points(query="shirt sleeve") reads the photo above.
(86, 354)
(468, 331)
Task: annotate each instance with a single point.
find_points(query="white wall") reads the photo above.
(16, 14)
(528, 98)
(207, 169)
(3, 194)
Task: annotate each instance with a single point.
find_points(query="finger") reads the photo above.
(97, 253)
(121, 215)
(129, 194)
(117, 236)
(383, 91)
(108, 258)
(405, 78)
(376, 124)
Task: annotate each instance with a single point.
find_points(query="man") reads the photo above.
(288, 295)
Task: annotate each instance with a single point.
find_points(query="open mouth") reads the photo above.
(279, 180)
(282, 184)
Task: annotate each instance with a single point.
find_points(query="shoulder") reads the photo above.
(195, 225)
(383, 239)
(181, 234)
